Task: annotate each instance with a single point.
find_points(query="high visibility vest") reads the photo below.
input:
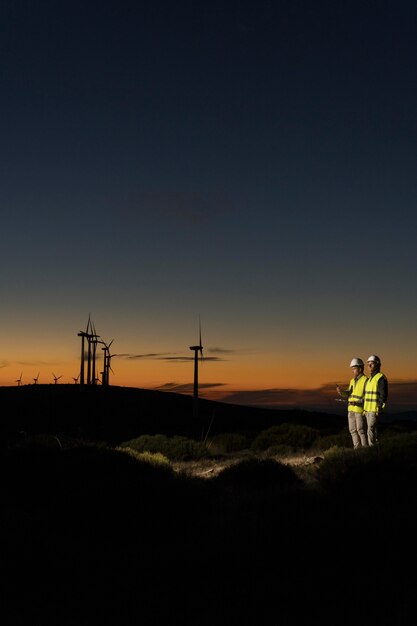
(372, 397)
(356, 394)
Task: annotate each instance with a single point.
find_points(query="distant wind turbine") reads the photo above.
(36, 379)
(93, 340)
(84, 334)
(197, 349)
(107, 363)
(75, 379)
(19, 380)
(56, 378)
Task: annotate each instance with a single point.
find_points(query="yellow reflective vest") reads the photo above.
(372, 397)
(356, 394)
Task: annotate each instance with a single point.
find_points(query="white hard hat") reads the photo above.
(374, 358)
(356, 362)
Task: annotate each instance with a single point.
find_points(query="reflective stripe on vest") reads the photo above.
(356, 394)
(372, 398)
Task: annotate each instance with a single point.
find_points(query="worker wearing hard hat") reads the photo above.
(376, 394)
(355, 398)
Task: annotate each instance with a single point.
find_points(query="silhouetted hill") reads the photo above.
(404, 416)
(114, 414)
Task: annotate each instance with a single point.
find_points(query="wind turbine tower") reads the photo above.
(19, 380)
(197, 349)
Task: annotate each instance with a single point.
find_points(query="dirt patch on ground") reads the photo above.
(204, 468)
(209, 468)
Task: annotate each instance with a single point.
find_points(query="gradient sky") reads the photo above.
(249, 162)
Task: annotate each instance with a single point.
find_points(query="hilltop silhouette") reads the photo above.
(114, 414)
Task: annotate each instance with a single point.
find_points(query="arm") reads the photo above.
(345, 393)
(382, 391)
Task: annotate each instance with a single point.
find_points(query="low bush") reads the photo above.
(386, 470)
(228, 442)
(339, 440)
(175, 448)
(293, 435)
(153, 458)
(281, 450)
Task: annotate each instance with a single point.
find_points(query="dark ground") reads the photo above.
(89, 536)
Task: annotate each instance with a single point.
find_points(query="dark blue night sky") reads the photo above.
(250, 162)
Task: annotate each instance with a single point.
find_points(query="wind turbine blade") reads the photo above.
(199, 325)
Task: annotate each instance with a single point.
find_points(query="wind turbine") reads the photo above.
(106, 363)
(84, 334)
(109, 367)
(75, 379)
(56, 378)
(19, 380)
(93, 340)
(36, 379)
(196, 349)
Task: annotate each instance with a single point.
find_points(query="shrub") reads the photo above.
(281, 450)
(340, 440)
(374, 473)
(174, 448)
(153, 458)
(400, 447)
(228, 442)
(293, 435)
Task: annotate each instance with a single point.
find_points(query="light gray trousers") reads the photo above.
(372, 425)
(357, 426)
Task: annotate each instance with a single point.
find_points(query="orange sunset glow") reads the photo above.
(280, 375)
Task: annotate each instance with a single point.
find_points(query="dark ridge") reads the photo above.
(114, 414)
(403, 416)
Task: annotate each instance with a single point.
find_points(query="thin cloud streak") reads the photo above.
(34, 363)
(149, 355)
(165, 356)
(183, 359)
(186, 387)
(221, 351)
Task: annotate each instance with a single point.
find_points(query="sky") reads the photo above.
(250, 165)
